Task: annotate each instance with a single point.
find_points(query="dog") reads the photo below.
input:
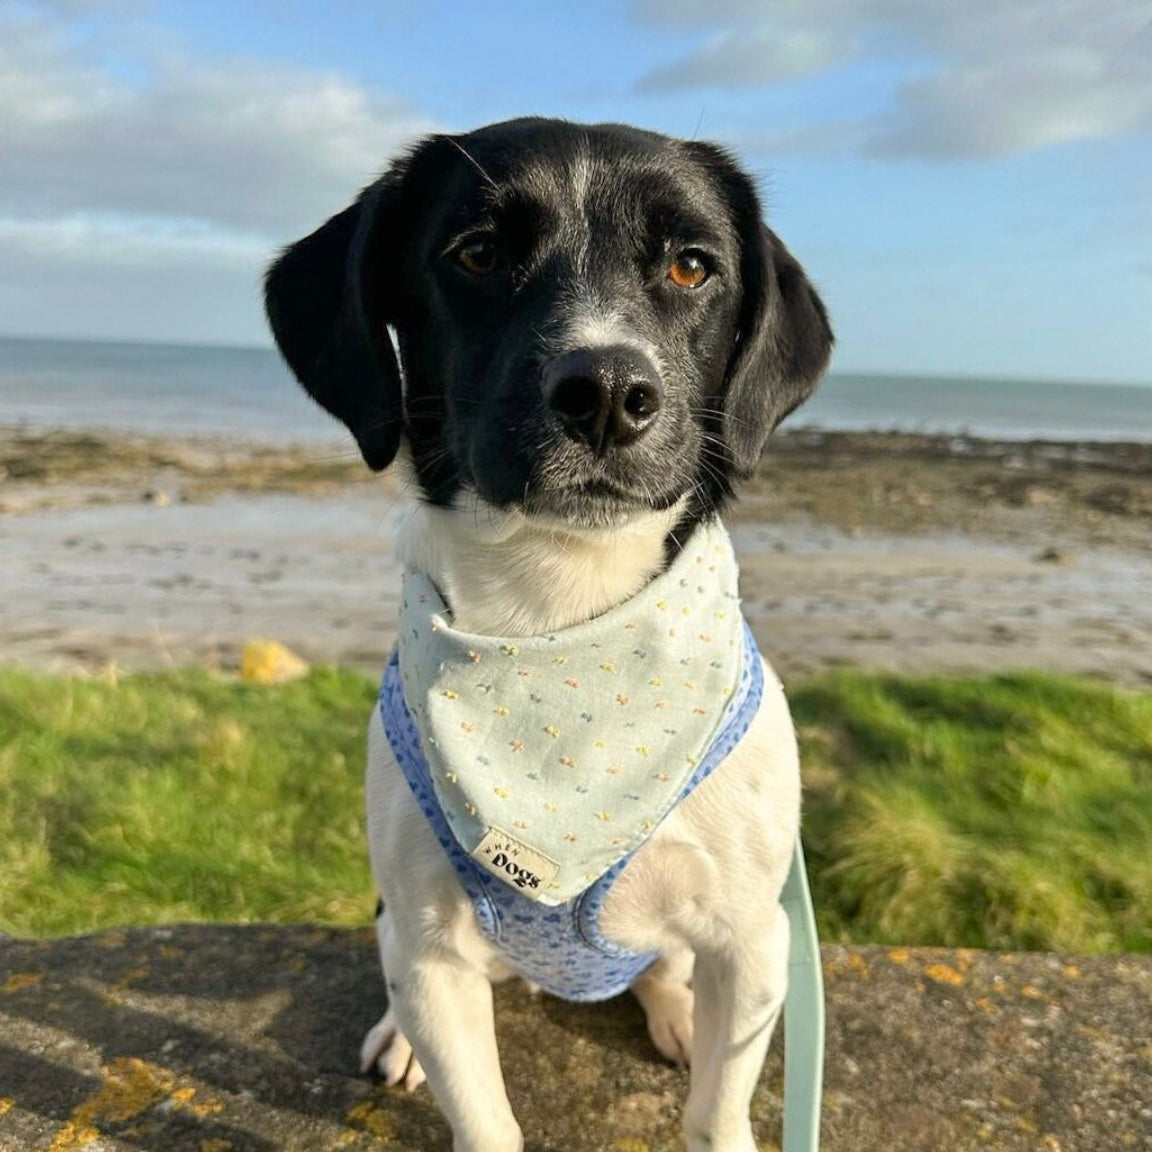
(595, 335)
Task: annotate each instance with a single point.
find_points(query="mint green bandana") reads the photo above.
(555, 756)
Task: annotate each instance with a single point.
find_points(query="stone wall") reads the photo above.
(220, 1039)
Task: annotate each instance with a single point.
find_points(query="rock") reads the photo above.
(270, 662)
(245, 1039)
(1115, 499)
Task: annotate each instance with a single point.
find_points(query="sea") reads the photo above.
(181, 390)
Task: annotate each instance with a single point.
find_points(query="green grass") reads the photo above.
(181, 796)
(1010, 812)
(1007, 812)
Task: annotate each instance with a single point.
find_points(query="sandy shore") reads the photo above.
(895, 551)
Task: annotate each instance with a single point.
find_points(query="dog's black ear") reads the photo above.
(783, 345)
(783, 338)
(329, 318)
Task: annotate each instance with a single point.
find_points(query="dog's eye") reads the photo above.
(689, 269)
(479, 257)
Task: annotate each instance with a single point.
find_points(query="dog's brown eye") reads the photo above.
(688, 270)
(479, 257)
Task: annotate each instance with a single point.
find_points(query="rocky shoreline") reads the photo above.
(892, 480)
(891, 550)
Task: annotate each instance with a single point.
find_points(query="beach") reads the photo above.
(896, 551)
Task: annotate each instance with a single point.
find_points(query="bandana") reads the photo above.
(555, 757)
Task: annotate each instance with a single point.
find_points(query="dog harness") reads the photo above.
(543, 763)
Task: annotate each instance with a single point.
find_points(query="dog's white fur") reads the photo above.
(703, 891)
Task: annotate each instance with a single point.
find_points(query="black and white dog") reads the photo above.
(597, 334)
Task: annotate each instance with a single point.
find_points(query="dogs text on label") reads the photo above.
(515, 862)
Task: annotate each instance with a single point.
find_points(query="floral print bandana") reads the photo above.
(554, 757)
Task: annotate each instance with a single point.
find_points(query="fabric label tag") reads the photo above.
(515, 862)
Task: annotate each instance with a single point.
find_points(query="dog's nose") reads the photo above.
(606, 397)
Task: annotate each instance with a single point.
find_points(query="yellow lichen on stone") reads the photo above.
(130, 1086)
(6, 1105)
(186, 1099)
(370, 1118)
(270, 662)
(130, 978)
(74, 1136)
(943, 974)
(853, 963)
(18, 981)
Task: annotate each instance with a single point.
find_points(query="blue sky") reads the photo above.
(970, 184)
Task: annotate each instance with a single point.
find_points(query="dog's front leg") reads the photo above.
(739, 993)
(444, 1006)
(436, 965)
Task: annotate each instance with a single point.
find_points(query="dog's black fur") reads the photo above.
(492, 255)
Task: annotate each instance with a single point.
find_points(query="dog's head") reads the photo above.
(593, 321)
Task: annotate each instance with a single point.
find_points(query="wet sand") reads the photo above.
(901, 552)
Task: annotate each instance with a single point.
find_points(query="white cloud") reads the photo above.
(131, 241)
(757, 56)
(979, 78)
(147, 195)
(236, 143)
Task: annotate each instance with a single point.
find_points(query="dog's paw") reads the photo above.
(668, 1008)
(387, 1048)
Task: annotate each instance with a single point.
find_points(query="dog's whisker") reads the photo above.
(470, 158)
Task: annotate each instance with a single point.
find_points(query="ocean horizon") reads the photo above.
(183, 390)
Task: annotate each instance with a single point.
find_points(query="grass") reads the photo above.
(1010, 812)
(181, 796)
(1007, 812)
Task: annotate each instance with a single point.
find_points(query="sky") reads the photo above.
(968, 182)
